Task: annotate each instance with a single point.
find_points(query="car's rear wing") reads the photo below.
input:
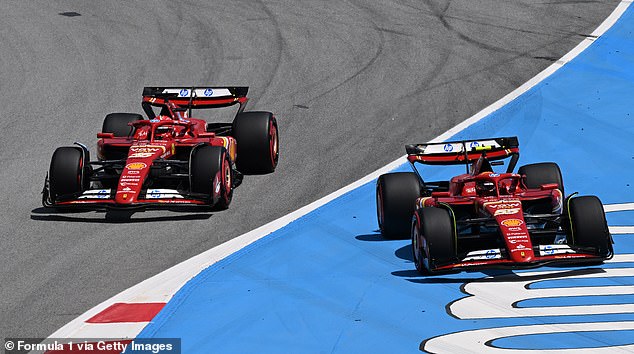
(464, 151)
(195, 97)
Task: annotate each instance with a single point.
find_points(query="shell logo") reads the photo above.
(136, 166)
(512, 222)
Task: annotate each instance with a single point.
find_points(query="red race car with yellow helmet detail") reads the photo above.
(486, 219)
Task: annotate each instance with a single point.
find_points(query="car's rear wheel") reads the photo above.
(66, 173)
(542, 173)
(258, 142)
(588, 226)
(117, 123)
(433, 238)
(396, 195)
(210, 174)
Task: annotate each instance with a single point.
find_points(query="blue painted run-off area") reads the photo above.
(329, 283)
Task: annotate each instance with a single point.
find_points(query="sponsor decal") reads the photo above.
(515, 228)
(473, 144)
(130, 182)
(141, 155)
(448, 147)
(147, 148)
(509, 211)
(154, 120)
(102, 193)
(516, 235)
(512, 222)
(208, 92)
(494, 175)
(127, 189)
(503, 205)
(491, 254)
(154, 193)
(549, 250)
(132, 172)
(123, 184)
(183, 93)
(136, 166)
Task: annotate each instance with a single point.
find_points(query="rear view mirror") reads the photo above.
(105, 135)
(439, 194)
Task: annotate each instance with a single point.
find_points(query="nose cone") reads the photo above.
(510, 218)
(131, 181)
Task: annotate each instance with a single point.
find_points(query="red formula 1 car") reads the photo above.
(485, 219)
(169, 159)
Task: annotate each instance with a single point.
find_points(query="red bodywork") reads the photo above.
(502, 211)
(168, 136)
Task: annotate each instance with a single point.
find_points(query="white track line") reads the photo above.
(618, 207)
(164, 285)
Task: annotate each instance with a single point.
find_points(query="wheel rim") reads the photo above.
(81, 167)
(227, 180)
(274, 143)
(415, 246)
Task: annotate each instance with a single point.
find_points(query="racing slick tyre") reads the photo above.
(433, 238)
(257, 142)
(210, 174)
(542, 173)
(66, 173)
(588, 226)
(396, 195)
(117, 123)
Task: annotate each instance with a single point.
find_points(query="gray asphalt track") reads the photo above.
(350, 81)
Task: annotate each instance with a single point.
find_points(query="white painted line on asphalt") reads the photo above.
(164, 285)
(620, 230)
(618, 207)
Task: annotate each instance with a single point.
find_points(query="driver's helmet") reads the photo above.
(485, 188)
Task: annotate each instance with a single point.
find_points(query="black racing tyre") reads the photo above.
(396, 195)
(433, 238)
(117, 123)
(258, 142)
(210, 173)
(588, 226)
(66, 173)
(542, 173)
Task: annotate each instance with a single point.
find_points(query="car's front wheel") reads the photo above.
(433, 238)
(211, 174)
(66, 173)
(588, 227)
